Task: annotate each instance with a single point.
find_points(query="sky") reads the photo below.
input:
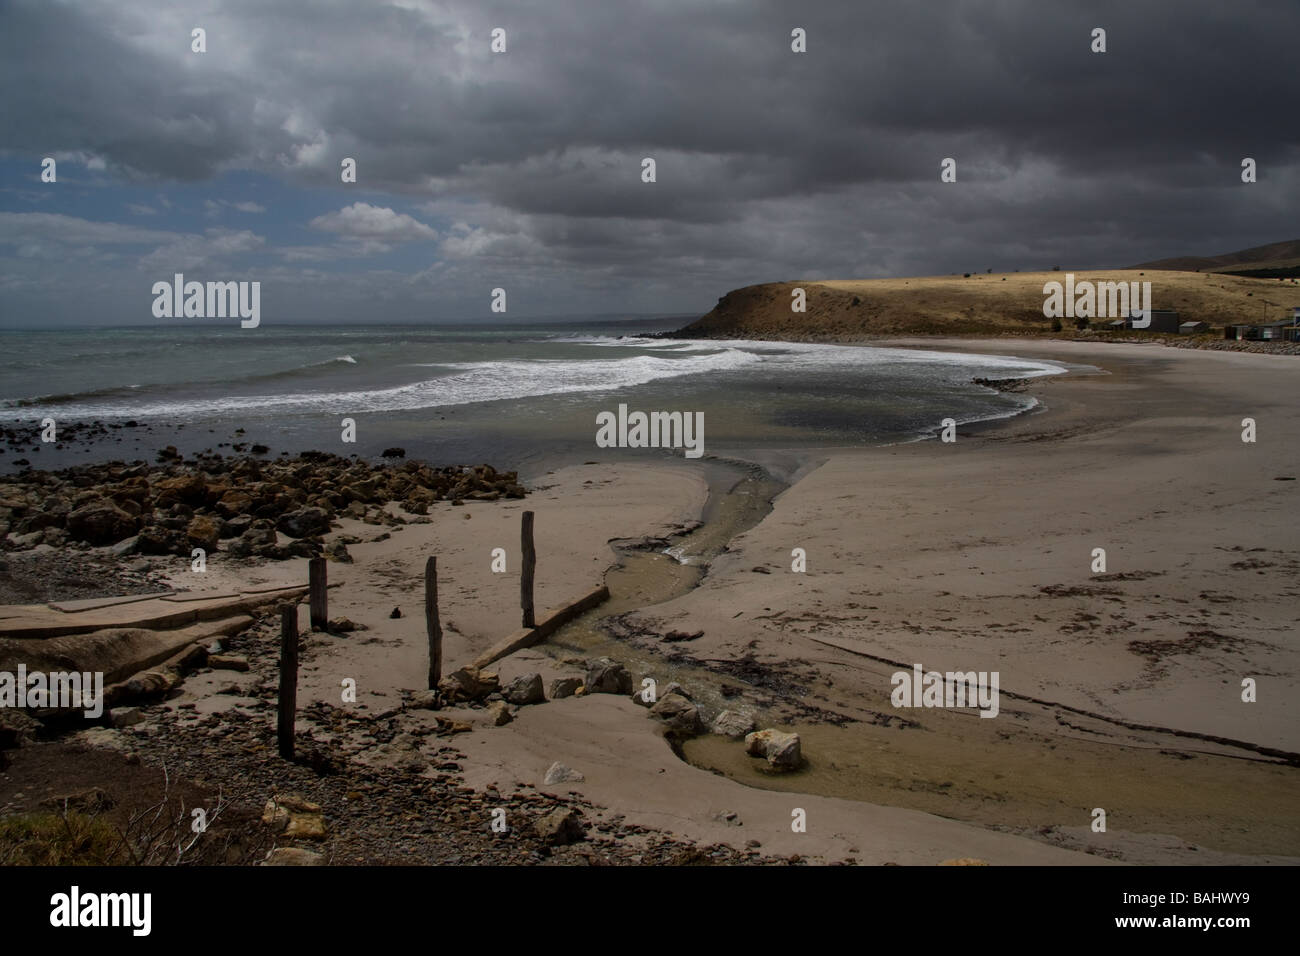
(523, 169)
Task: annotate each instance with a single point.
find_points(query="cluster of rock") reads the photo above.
(674, 708)
(239, 505)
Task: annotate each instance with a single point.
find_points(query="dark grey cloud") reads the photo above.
(770, 164)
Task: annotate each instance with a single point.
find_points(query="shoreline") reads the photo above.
(580, 730)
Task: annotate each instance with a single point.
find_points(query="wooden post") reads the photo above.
(320, 617)
(431, 623)
(288, 702)
(529, 565)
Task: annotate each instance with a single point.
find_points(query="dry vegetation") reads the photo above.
(981, 304)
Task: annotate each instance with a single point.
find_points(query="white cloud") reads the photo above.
(364, 221)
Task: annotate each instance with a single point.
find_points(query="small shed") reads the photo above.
(1161, 320)
(1191, 328)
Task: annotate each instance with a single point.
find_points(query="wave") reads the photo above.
(464, 383)
(470, 382)
(61, 400)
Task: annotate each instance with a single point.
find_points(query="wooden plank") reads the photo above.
(432, 626)
(90, 604)
(551, 622)
(529, 566)
(187, 597)
(37, 621)
(288, 697)
(319, 596)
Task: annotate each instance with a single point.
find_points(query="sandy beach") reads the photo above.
(1120, 690)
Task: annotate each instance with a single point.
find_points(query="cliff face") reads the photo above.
(980, 304)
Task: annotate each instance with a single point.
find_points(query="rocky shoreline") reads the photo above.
(246, 507)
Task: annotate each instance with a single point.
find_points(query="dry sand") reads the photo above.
(936, 554)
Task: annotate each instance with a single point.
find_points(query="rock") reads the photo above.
(189, 489)
(678, 713)
(447, 727)
(304, 522)
(499, 713)
(342, 625)
(559, 773)
(260, 535)
(396, 612)
(157, 540)
(730, 817)
(467, 683)
(101, 522)
(16, 728)
(526, 689)
(733, 723)
(674, 636)
(294, 817)
(233, 503)
(203, 532)
(338, 551)
(236, 526)
(561, 826)
(564, 687)
(964, 861)
(425, 700)
(394, 453)
(675, 688)
(605, 676)
(293, 856)
(126, 716)
(227, 662)
(93, 800)
(781, 749)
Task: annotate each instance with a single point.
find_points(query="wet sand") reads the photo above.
(967, 556)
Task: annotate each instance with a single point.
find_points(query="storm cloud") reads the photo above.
(523, 168)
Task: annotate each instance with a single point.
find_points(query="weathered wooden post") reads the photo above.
(529, 565)
(288, 702)
(431, 623)
(319, 589)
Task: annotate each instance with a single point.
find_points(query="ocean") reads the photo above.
(519, 396)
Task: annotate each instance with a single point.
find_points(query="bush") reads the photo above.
(52, 839)
(1056, 325)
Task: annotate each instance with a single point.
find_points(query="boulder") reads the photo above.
(499, 713)
(294, 817)
(304, 522)
(781, 749)
(468, 683)
(191, 489)
(559, 773)
(605, 676)
(234, 503)
(126, 716)
(203, 532)
(101, 522)
(561, 826)
(526, 689)
(565, 687)
(158, 540)
(675, 688)
(678, 713)
(733, 723)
